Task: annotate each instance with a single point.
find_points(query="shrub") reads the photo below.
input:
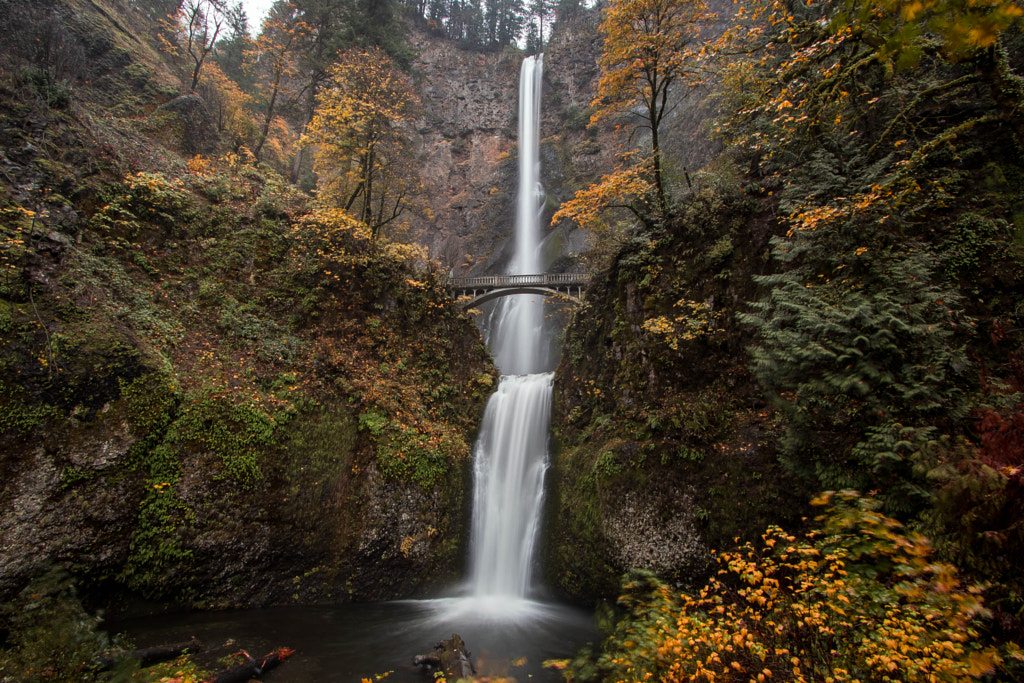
(857, 600)
(51, 636)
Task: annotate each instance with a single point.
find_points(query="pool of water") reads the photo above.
(355, 641)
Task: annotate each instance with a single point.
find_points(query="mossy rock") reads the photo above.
(93, 359)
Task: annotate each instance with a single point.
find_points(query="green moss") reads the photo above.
(151, 402)
(18, 417)
(423, 456)
(317, 459)
(235, 433)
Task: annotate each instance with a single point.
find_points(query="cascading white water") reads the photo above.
(511, 453)
(515, 328)
(496, 619)
(509, 476)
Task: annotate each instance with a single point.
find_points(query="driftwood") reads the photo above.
(451, 657)
(252, 668)
(148, 656)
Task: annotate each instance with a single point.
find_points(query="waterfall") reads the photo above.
(515, 329)
(511, 452)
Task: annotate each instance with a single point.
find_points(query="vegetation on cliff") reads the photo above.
(856, 600)
(832, 304)
(215, 391)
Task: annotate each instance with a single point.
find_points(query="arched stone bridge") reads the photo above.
(485, 288)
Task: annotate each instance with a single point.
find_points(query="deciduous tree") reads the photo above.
(275, 60)
(651, 46)
(229, 105)
(202, 22)
(362, 129)
(628, 188)
(333, 27)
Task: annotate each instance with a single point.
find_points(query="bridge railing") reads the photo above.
(500, 281)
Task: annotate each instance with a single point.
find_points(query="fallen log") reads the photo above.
(148, 656)
(252, 668)
(451, 657)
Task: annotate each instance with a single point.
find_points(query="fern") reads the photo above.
(846, 355)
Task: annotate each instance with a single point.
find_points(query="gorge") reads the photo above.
(234, 387)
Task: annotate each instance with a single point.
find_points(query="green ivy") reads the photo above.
(234, 432)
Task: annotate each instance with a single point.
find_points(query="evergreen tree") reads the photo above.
(159, 10)
(415, 8)
(229, 53)
(542, 11)
(466, 23)
(437, 12)
(378, 23)
(533, 40)
(491, 22)
(508, 18)
(567, 9)
(455, 26)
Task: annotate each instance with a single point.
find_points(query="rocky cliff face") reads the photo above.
(208, 394)
(199, 469)
(664, 447)
(468, 141)
(468, 138)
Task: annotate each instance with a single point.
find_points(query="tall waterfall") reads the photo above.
(511, 452)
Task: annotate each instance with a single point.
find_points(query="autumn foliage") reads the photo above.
(860, 599)
(361, 129)
(651, 50)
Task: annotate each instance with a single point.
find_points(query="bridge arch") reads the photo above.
(509, 291)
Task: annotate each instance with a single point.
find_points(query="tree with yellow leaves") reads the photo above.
(972, 32)
(651, 46)
(229, 106)
(275, 61)
(860, 599)
(362, 127)
(629, 187)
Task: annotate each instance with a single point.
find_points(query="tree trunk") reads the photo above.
(253, 668)
(1007, 89)
(148, 656)
(451, 657)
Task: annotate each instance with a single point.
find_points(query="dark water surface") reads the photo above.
(350, 642)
